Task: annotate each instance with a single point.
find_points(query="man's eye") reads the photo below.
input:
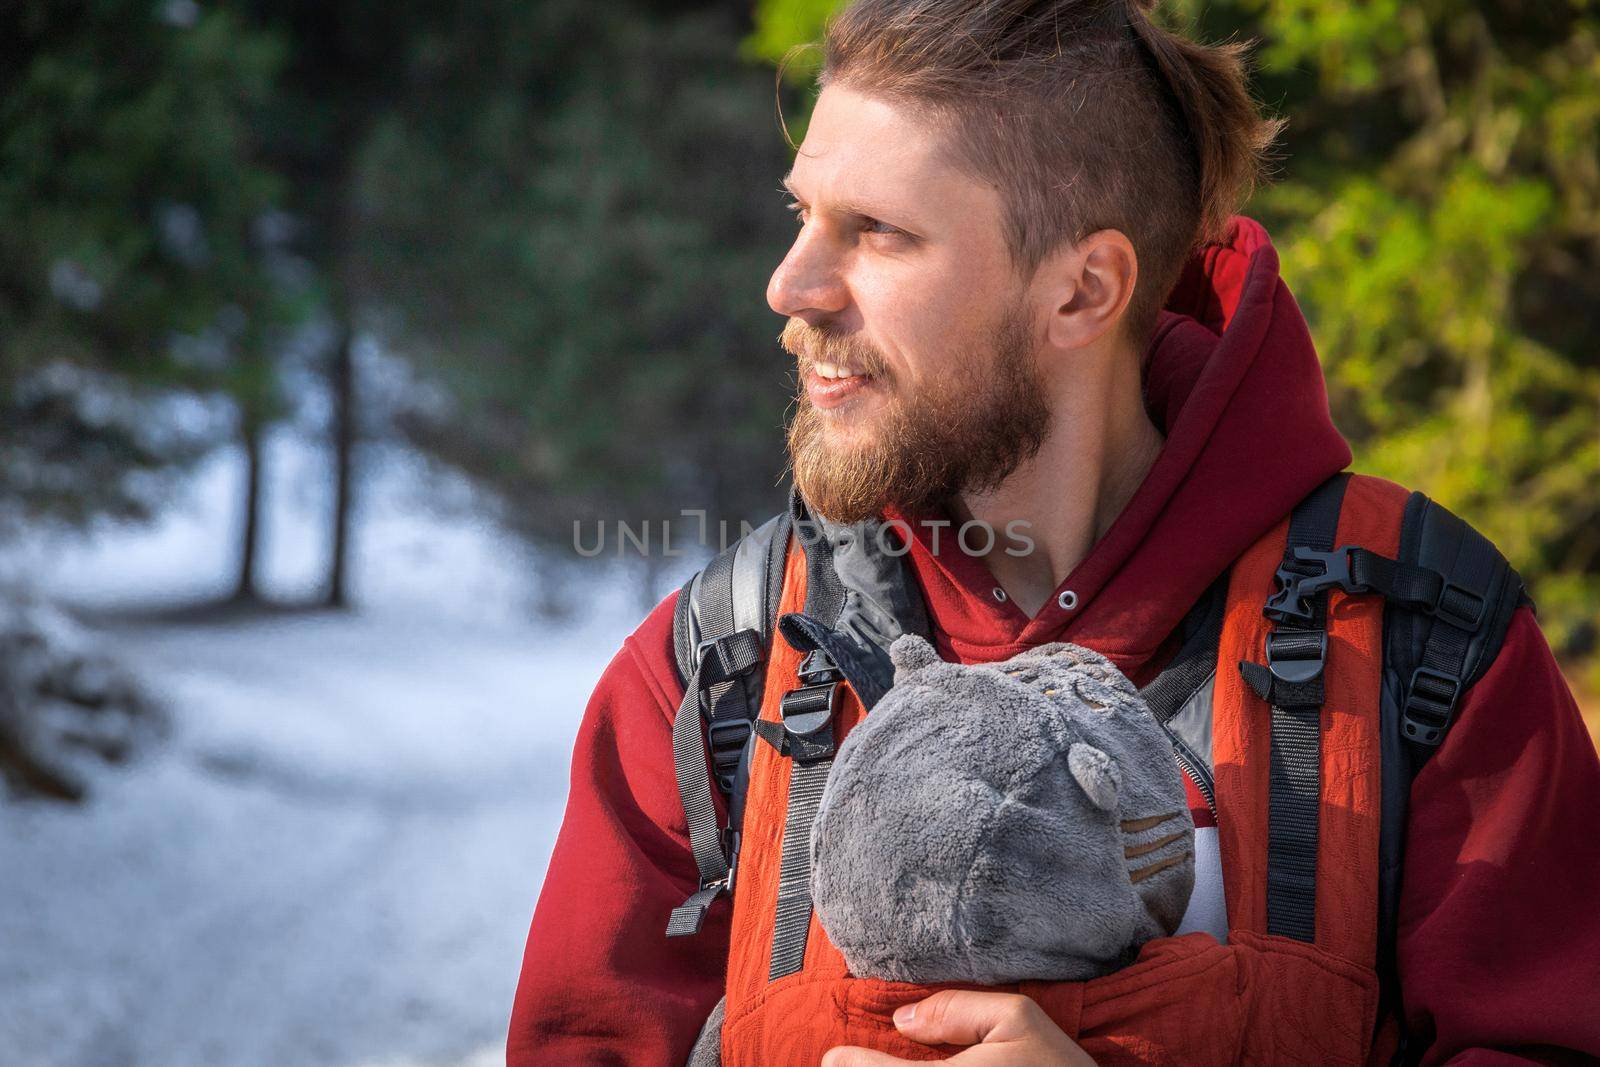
(874, 226)
(799, 212)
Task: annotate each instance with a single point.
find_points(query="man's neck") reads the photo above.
(1100, 446)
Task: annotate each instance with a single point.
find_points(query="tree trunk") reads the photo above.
(343, 373)
(250, 533)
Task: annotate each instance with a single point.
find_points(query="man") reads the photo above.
(1000, 317)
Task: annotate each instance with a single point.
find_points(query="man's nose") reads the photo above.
(807, 284)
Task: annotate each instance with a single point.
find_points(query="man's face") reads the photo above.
(914, 338)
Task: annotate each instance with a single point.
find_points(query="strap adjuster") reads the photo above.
(807, 733)
(726, 741)
(1460, 606)
(1430, 702)
(725, 883)
(725, 657)
(686, 918)
(818, 667)
(1297, 656)
(728, 734)
(808, 709)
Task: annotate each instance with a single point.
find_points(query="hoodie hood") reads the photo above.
(1233, 380)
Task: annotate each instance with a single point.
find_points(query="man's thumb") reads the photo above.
(965, 1017)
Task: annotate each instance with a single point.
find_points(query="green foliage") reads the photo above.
(128, 269)
(783, 29)
(1438, 215)
(563, 210)
(1452, 275)
(598, 228)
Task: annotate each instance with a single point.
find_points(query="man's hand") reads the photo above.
(1004, 1030)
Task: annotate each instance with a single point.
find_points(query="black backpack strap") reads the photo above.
(722, 630)
(859, 598)
(1291, 682)
(748, 595)
(1431, 658)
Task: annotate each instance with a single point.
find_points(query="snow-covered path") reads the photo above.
(326, 866)
(334, 858)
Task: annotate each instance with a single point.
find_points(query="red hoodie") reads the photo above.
(1499, 939)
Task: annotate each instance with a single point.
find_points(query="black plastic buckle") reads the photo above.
(1290, 604)
(1293, 665)
(1430, 702)
(809, 708)
(817, 668)
(727, 740)
(729, 733)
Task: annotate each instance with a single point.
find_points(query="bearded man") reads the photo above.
(1020, 302)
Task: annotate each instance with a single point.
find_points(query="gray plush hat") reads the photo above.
(1000, 822)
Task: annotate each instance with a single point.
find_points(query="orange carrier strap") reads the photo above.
(1292, 683)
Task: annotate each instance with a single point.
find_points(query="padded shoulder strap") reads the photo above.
(722, 630)
(737, 591)
(1430, 659)
(748, 596)
(1436, 655)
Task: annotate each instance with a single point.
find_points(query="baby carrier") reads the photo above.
(1310, 684)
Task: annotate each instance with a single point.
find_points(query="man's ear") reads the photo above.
(1087, 287)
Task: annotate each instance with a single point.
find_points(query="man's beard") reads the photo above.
(962, 433)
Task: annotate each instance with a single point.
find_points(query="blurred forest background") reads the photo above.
(523, 245)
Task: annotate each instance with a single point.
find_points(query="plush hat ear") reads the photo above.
(1097, 773)
(911, 653)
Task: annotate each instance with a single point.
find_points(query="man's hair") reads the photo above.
(1084, 113)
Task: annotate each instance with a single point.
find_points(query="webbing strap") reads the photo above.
(1292, 822)
(792, 921)
(726, 706)
(1411, 586)
(686, 917)
(806, 738)
(705, 835)
(1295, 656)
(724, 654)
(1443, 671)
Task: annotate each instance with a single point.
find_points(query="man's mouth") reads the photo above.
(829, 385)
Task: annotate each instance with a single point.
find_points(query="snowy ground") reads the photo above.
(335, 857)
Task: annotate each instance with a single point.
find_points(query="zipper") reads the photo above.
(1201, 780)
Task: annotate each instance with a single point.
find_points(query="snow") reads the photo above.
(334, 859)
